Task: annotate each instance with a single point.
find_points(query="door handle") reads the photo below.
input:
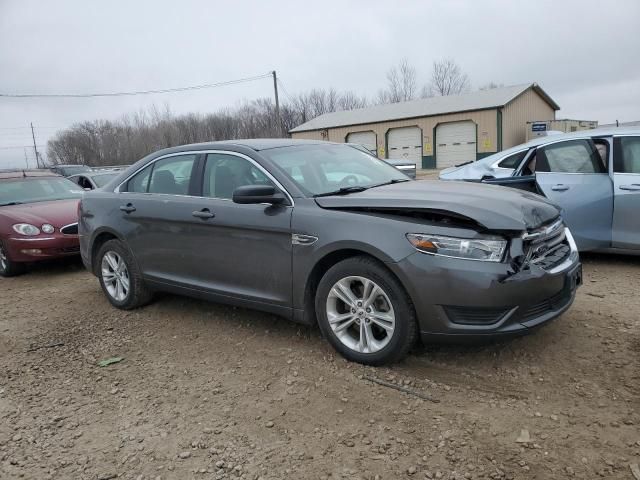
(634, 187)
(128, 208)
(204, 214)
(559, 188)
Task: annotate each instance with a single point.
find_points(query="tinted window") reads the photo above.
(512, 161)
(140, 181)
(172, 175)
(628, 155)
(575, 156)
(224, 173)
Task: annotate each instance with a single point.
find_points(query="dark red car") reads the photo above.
(38, 218)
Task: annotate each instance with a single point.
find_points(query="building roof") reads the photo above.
(424, 107)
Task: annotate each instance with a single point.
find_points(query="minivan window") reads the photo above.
(628, 157)
(574, 156)
(224, 173)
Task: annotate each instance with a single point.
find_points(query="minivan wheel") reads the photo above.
(120, 277)
(365, 313)
(9, 268)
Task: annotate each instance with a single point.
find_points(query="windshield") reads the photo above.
(29, 190)
(321, 169)
(102, 180)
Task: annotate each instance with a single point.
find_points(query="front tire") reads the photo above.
(9, 268)
(365, 313)
(120, 277)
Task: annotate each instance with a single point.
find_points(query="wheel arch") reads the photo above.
(100, 238)
(324, 263)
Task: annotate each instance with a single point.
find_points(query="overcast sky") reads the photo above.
(583, 53)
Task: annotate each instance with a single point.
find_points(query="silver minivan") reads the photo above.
(593, 175)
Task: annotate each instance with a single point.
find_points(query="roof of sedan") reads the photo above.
(259, 143)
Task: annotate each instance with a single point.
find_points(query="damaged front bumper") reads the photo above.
(458, 299)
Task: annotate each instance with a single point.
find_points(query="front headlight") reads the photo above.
(26, 229)
(485, 250)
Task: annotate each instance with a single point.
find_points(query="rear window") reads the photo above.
(31, 190)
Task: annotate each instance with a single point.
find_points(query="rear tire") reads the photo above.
(9, 268)
(365, 312)
(120, 277)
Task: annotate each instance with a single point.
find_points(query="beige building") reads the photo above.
(438, 132)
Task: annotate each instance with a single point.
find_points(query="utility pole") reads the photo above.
(26, 160)
(35, 149)
(275, 90)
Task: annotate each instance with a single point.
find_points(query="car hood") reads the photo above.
(494, 207)
(57, 213)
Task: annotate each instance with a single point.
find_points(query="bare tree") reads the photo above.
(123, 141)
(401, 84)
(491, 86)
(447, 78)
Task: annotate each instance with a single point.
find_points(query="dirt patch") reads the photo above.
(209, 391)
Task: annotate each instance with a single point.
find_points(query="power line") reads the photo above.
(140, 92)
(9, 147)
(285, 90)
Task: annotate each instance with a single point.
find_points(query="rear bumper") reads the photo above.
(33, 249)
(463, 300)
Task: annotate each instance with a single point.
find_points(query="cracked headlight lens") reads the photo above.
(485, 250)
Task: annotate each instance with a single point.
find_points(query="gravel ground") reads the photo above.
(206, 391)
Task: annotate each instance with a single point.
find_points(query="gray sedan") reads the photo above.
(594, 176)
(324, 234)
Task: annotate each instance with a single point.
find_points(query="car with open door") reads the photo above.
(593, 176)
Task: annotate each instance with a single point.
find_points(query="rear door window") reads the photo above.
(574, 156)
(140, 181)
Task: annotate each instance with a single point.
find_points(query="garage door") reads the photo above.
(366, 139)
(456, 143)
(405, 144)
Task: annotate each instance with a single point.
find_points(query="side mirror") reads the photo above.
(248, 194)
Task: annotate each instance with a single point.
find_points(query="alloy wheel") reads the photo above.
(360, 314)
(4, 261)
(115, 276)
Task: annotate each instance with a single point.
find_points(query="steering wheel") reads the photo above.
(349, 180)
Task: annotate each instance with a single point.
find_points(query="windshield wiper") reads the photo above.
(391, 182)
(10, 203)
(343, 191)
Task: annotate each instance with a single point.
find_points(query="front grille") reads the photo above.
(547, 246)
(551, 304)
(475, 315)
(71, 229)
